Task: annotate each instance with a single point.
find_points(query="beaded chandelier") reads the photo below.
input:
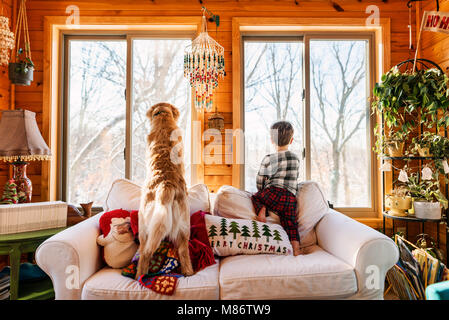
(6, 40)
(204, 66)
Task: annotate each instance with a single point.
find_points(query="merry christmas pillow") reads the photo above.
(229, 237)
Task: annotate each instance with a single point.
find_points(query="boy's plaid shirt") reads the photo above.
(280, 170)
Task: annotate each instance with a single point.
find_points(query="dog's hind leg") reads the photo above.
(183, 235)
(182, 243)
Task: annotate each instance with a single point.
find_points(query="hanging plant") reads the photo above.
(21, 67)
(409, 99)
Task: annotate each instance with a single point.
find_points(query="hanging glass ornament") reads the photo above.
(445, 166)
(386, 166)
(426, 173)
(403, 177)
(204, 65)
(6, 40)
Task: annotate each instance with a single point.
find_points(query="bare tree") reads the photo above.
(97, 120)
(346, 120)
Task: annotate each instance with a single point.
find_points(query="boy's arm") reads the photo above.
(260, 182)
(261, 175)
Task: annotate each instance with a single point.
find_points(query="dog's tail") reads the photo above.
(160, 225)
(162, 217)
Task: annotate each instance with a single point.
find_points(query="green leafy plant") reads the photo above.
(383, 142)
(409, 99)
(438, 147)
(23, 65)
(426, 190)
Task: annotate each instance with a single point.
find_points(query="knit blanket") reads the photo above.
(164, 267)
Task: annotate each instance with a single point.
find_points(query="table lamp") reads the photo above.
(21, 141)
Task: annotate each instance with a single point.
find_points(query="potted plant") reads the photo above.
(21, 66)
(432, 145)
(21, 71)
(408, 99)
(422, 144)
(391, 145)
(398, 202)
(427, 197)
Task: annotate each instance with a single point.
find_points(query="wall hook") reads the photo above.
(409, 3)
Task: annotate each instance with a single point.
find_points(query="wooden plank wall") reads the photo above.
(214, 175)
(5, 87)
(5, 100)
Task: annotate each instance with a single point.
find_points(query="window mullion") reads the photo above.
(128, 92)
(306, 112)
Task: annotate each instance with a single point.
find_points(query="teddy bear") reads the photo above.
(119, 245)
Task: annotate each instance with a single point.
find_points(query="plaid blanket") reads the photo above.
(163, 272)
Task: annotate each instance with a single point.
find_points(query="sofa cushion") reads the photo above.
(109, 284)
(234, 203)
(229, 237)
(125, 194)
(316, 274)
(231, 202)
(312, 206)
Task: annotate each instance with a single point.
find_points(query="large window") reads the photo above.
(321, 85)
(100, 124)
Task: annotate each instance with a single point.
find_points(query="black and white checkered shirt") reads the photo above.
(280, 170)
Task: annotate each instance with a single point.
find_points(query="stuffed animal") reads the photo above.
(119, 245)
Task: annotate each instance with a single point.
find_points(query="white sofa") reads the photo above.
(348, 260)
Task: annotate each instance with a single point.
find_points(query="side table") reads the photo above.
(26, 242)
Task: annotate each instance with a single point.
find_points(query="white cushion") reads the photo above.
(312, 206)
(231, 202)
(314, 275)
(229, 237)
(109, 284)
(125, 194)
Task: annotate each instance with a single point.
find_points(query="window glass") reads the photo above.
(339, 111)
(273, 91)
(96, 119)
(158, 76)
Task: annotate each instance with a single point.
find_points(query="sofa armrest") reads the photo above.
(71, 257)
(368, 251)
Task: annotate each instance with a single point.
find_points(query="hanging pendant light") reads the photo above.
(215, 121)
(204, 66)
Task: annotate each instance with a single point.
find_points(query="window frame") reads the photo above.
(127, 37)
(334, 28)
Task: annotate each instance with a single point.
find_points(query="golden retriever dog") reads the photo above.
(164, 210)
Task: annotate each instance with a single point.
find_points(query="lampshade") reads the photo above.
(20, 137)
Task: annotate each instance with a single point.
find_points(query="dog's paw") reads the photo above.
(187, 270)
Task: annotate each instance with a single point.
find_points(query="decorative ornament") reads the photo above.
(386, 166)
(426, 173)
(403, 177)
(204, 65)
(10, 195)
(445, 167)
(6, 40)
(216, 121)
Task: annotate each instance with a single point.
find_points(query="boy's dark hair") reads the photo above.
(281, 133)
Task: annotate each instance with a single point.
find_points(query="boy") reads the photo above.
(277, 183)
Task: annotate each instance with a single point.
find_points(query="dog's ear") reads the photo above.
(175, 112)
